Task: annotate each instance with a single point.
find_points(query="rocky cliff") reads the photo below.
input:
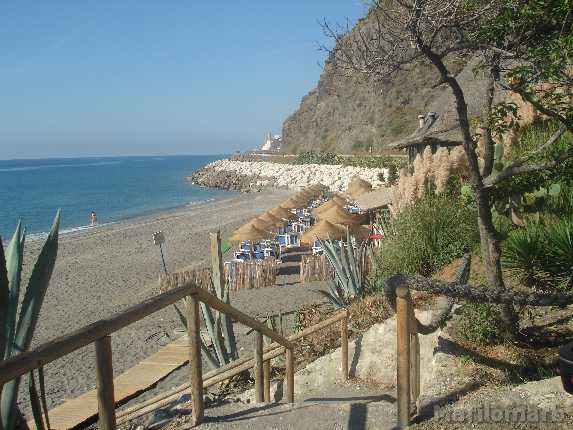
(347, 114)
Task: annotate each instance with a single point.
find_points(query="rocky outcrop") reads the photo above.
(349, 113)
(257, 175)
(228, 180)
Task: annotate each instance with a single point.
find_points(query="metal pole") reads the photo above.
(162, 258)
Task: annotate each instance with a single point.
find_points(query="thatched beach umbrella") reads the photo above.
(358, 186)
(324, 207)
(250, 232)
(257, 223)
(323, 230)
(305, 195)
(338, 215)
(338, 199)
(272, 220)
(282, 213)
(293, 203)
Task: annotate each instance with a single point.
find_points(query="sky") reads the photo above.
(136, 77)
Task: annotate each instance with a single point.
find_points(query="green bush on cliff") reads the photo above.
(427, 236)
(311, 157)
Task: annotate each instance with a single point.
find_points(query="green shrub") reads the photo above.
(311, 157)
(541, 255)
(427, 236)
(479, 323)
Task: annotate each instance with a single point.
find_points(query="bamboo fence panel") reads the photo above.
(315, 268)
(201, 277)
(253, 274)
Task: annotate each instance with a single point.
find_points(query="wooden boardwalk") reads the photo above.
(139, 378)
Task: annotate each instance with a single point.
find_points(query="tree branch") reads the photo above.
(515, 170)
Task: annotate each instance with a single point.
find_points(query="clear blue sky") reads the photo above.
(115, 77)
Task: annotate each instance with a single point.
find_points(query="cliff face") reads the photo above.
(349, 113)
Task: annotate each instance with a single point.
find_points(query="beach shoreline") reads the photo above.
(107, 269)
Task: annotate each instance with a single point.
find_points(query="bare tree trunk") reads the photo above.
(489, 237)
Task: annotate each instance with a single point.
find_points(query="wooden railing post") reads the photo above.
(217, 263)
(403, 355)
(290, 375)
(344, 346)
(414, 358)
(258, 369)
(104, 376)
(267, 379)
(193, 331)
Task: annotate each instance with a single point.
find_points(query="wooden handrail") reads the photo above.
(241, 317)
(22, 364)
(234, 368)
(46, 353)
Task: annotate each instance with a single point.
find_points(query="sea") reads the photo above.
(116, 188)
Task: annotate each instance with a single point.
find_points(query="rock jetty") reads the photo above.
(248, 176)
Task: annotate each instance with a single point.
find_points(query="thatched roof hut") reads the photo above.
(440, 127)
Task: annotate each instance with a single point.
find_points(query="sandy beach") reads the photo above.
(106, 269)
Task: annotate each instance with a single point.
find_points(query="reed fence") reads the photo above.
(200, 277)
(315, 268)
(253, 274)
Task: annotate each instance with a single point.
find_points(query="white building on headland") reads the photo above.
(272, 143)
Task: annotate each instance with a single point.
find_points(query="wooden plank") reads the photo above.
(139, 378)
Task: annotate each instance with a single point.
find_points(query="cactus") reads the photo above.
(17, 331)
(349, 266)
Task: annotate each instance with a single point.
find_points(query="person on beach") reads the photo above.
(93, 218)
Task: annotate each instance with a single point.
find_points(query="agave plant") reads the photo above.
(17, 329)
(219, 329)
(349, 267)
(524, 255)
(560, 251)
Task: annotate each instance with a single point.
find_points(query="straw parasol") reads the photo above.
(341, 201)
(257, 223)
(323, 230)
(249, 232)
(358, 186)
(324, 207)
(293, 203)
(282, 213)
(338, 215)
(272, 220)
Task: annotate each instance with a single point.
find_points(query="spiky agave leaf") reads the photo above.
(35, 402)
(29, 314)
(43, 397)
(4, 303)
(209, 320)
(14, 259)
(228, 331)
(36, 290)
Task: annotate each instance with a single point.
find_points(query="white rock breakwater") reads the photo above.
(255, 175)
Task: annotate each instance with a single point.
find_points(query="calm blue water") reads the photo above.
(116, 188)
